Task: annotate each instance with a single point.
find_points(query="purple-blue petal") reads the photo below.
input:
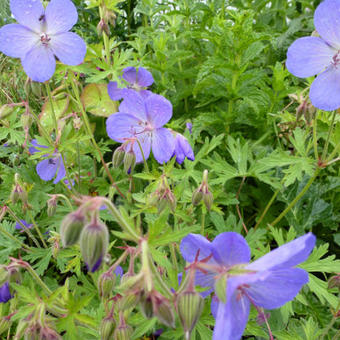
(134, 105)
(119, 271)
(230, 249)
(193, 245)
(309, 56)
(96, 265)
(28, 13)
(47, 168)
(142, 77)
(163, 145)
(18, 226)
(288, 255)
(39, 63)
(114, 91)
(325, 90)
(16, 40)
(69, 48)
(182, 149)
(231, 317)
(158, 110)
(5, 293)
(61, 171)
(272, 289)
(189, 127)
(61, 16)
(326, 21)
(145, 141)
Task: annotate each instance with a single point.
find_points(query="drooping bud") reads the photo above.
(118, 156)
(123, 332)
(52, 205)
(189, 308)
(334, 282)
(146, 305)
(47, 333)
(208, 200)
(5, 111)
(14, 275)
(197, 197)
(164, 312)
(202, 192)
(130, 300)
(71, 227)
(129, 161)
(26, 120)
(106, 283)
(103, 27)
(94, 242)
(107, 328)
(163, 196)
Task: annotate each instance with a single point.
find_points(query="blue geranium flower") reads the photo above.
(310, 56)
(182, 148)
(268, 282)
(41, 35)
(5, 293)
(52, 166)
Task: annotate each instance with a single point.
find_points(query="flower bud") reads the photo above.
(129, 300)
(52, 205)
(26, 120)
(103, 27)
(189, 307)
(106, 283)
(164, 312)
(21, 328)
(94, 242)
(129, 161)
(208, 200)
(334, 282)
(197, 197)
(5, 111)
(118, 157)
(32, 332)
(47, 333)
(107, 328)
(36, 88)
(123, 332)
(146, 305)
(71, 227)
(14, 275)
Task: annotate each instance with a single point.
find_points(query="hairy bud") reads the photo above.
(71, 227)
(129, 161)
(94, 241)
(26, 120)
(107, 328)
(52, 205)
(5, 111)
(19, 193)
(189, 307)
(14, 275)
(202, 192)
(123, 332)
(197, 197)
(103, 27)
(334, 282)
(106, 283)
(208, 200)
(147, 305)
(118, 157)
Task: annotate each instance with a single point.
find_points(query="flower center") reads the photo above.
(336, 59)
(44, 38)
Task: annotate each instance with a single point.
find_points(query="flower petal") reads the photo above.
(232, 317)
(193, 245)
(163, 145)
(33, 149)
(230, 248)
(309, 56)
(5, 293)
(142, 77)
(16, 40)
(182, 149)
(61, 16)
(68, 47)
(47, 168)
(272, 289)
(28, 13)
(61, 171)
(326, 21)
(158, 110)
(122, 126)
(114, 91)
(133, 104)
(145, 141)
(325, 90)
(39, 63)
(288, 255)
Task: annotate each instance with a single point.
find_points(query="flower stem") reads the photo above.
(89, 131)
(48, 88)
(24, 227)
(325, 149)
(297, 198)
(142, 152)
(37, 229)
(315, 140)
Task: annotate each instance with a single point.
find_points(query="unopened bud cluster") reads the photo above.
(124, 155)
(203, 193)
(163, 196)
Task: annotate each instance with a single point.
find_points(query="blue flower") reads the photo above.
(41, 35)
(137, 80)
(52, 166)
(320, 56)
(182, 148)
(268, 282)
(5, 294)
(18, 226)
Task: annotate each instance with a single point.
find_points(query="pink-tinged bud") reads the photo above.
(146, 305)
(107, 328)
(189, 308)
(5, 111)
(128, 301)
(19, 194)
(334, 282)
(71, 228)
(106, 283)
(208, 200)
(94, 242)
(197, 196)
(118, 156)
(123, 332)
(26, 120)
(14, 275)
(47, 333)
(129, 161)
(52, 205)
(103, 27)
(202, 192)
